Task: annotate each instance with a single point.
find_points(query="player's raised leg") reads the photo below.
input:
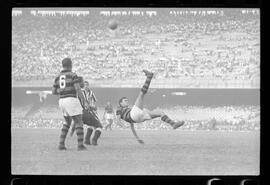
(79, 130)
(64, 132)
(144, 89)
(137, 114)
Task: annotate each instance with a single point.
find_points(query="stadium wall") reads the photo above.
(163, 98)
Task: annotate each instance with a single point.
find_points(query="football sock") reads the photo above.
(88, 135)
(63, 135)
(72, 130)
(79, 132)
(146, 85)
(166, 119)
(97, 135)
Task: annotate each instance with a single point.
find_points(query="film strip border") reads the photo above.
(146, 3)
(133, 180)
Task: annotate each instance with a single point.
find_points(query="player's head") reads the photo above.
(108, 103)
(81, 81)
(123, 102)
(86, 84)
(67, 63)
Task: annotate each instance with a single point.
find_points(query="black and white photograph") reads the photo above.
(135, 91)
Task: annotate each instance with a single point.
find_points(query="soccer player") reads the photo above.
(90, 117)
(138, 114)
(109, 115)
(90, 96)
(66, 84)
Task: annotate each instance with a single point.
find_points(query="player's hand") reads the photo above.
(140, 141)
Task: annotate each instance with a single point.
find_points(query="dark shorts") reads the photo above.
(91, 119)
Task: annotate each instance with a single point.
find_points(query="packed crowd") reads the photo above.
(203, 51)
(227, 118)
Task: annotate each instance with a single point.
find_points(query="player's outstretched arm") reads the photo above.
(135, 134)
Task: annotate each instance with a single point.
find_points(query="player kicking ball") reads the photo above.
(138, 114)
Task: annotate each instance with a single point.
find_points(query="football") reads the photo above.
(113, 24)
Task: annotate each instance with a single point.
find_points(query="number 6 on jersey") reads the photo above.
(62, 81)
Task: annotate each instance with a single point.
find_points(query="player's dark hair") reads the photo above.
(121, 99)
(66, 63)
(86, 82)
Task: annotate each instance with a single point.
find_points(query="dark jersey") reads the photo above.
(125, 114)
(109, 109)
(65, 83)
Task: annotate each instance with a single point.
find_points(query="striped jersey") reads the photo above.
(89, 96)
(65, 83)
(124, 113)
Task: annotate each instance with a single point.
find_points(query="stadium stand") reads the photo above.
(200, 48)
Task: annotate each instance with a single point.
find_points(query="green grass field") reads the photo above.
(173, 152)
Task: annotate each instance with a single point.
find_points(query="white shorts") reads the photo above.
(70, 106)
(138, 115)
(109, 116)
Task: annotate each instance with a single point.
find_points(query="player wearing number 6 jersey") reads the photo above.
(66, 84)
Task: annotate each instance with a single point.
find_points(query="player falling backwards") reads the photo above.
(90, 117)
(138, 114)
(66, 84)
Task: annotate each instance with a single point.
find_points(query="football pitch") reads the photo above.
(165, 152)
